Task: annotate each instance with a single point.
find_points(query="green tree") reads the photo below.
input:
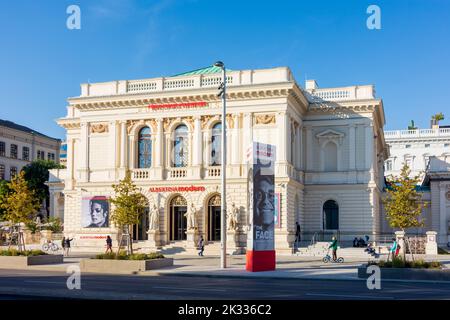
(403, 204)
(128, 205)
(21, 203)
(4, 191)
(36, 174)
(438, 117)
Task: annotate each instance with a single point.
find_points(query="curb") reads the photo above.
(188, 274)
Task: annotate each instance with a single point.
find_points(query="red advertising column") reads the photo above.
(261, 188)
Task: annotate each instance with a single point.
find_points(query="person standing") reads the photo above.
(201, 246)
(297, 234)
(333, 246)
(67, 246)
(108, 244)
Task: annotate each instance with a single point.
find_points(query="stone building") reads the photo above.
(329, 162)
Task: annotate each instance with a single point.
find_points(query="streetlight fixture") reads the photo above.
(223, 209)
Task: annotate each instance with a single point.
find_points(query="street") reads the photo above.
(21, 284)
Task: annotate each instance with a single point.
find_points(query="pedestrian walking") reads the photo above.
(201, 246)
(63, 244)
(108, 244)
(333, 246)
(67, 246)
(393, 249)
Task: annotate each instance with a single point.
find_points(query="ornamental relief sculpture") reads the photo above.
(206, 120)
(99, 128)
(265, 119)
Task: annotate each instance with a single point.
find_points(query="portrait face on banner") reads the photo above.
(263, 198)
(95, 212)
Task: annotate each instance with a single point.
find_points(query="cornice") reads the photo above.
(142, 100)
(69, 123)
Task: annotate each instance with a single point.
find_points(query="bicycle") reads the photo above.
(50, 246)
(328, 258)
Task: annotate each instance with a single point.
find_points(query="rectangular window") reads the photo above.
(26, 153)
(13, 151)
(51, 156)
(427, 145)
(389, 165)
(2, 172)
(13, 171)
(446, 145)
(408, 146)
(41, 155)
(2, 149)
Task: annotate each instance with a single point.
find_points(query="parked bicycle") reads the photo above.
(50, 245)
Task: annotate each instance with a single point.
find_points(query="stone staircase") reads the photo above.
(320, 249)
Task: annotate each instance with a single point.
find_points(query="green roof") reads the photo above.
(207, 70)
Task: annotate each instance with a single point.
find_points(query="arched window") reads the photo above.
(181, 147)
(330, 157)
(216, 145)
(330, 215)
(145, 148)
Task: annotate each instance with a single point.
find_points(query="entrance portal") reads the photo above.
(214, 218)
(178, 222)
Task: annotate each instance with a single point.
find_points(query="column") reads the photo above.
(159, 155)
(248, 135)
(112, 148)
(297, 147)
(288, 148)
(70, 163)
(369, 151)
(84, 152)
(352, 146)
(197, 147)
(300, 149)
(443, 225)
(309, 149)
(235, 150)
(123, 144)
(283, 124)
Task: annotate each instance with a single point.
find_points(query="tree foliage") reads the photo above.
(128, 204)
(438, 117)
(37, 173)
(21, 203)
(4, 191)
(403, 203)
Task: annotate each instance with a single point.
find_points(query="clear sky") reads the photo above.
(42, 62)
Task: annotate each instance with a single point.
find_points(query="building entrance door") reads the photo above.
(140, 230)
(178, 222)
(214, 218)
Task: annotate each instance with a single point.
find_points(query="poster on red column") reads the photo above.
(261, 187)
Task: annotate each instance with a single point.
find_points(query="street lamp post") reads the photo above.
(223, 211)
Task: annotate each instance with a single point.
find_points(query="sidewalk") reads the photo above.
(287, 267)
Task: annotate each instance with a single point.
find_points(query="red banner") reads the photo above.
(177, 189)
(178, 105)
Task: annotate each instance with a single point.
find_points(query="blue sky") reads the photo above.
(42, 62)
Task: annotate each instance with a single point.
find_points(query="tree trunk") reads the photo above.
(129, 239)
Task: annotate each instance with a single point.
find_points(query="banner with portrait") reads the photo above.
(262, 197)
(95, 212)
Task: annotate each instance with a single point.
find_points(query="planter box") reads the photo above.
(408, 274)
(21, 262)
(123, 266)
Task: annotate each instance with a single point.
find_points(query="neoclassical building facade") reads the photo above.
(330, 152)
